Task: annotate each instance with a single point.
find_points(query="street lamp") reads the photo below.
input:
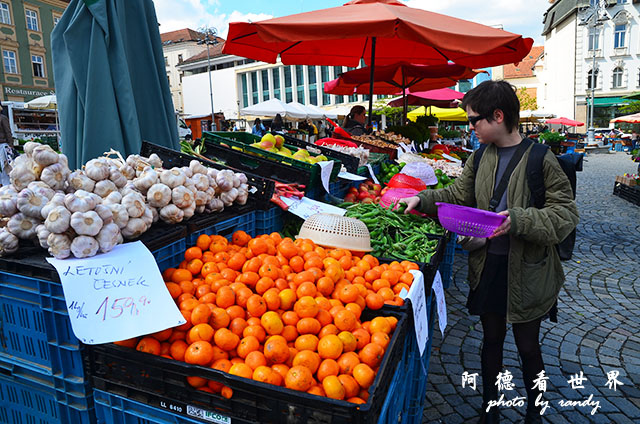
(593, 17)
(210, 39)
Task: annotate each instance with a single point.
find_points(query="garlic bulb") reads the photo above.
(171, 214)
(58, 220)
(159, 195)
(117, 177)
(97, 169)
(224, 179)
(8, 201)
(241, 177)
(134, 228)
(78, 180)
(86, 223)
(42, 233)
(201, 181)
(84, 246)
(42, 188)
(105, 214)
(59, 245)
(107, 238)
(186, 171)
(128, 188)
(44, 155)
(30, 203)
(135, 204)
(200, 209)
(182, 197)
(155, 161)
(55, 176)
(190, 211)
(80, 201)
(29, 146)
(119, 214)
(8, 243)
(243, 194)
(148, 178)
(22, 226)
(156, 215)
(23, 172)
(56, 200)
(228, 197)
(104, 188)
(147, 217)
(201, 198)
(197, 168)
(173, 177)
(113, 197)
(215, 205)
(63, 160)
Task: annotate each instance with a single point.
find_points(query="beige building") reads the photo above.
(525, 74)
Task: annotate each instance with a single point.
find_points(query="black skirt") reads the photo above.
(491, 294)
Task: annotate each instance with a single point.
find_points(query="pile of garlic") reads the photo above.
(93, 209)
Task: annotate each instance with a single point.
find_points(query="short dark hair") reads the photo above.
(491, 95)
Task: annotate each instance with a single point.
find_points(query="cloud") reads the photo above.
(178, 14)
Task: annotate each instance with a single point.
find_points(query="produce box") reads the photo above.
(266, 168)
(243, 141)
(161, 383)
(269, 220)
(264, 188)
(389, 151)
(626, 180)
(349, 162)
(446, 265)
(223, 223)
(24, 401)
(630, 194)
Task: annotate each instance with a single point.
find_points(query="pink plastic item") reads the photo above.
(468, 221)
(405, 181)
(394, 194)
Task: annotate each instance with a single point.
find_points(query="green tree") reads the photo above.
(527, 102)
(630, 108)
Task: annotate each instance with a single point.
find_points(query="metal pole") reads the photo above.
(371, 76)
(593, 87)
(213, 120)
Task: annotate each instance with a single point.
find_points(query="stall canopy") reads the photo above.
(323, 112)
(534, 115)
(44, 102)
(441, 98)
(110, 78)
(273, 107)
(564, 121)
(381, 32)
(630, 119)
(444, 114)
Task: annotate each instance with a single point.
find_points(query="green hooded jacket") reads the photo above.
(535, 274)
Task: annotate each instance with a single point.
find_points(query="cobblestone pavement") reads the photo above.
(598, 322)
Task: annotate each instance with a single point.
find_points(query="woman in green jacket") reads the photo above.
(515, 275)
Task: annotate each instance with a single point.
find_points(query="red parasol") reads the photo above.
(630, 119)
(440, 98)
(564, 121)
(382, 31)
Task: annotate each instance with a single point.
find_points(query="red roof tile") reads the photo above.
(181, 35)
(525, 67)
(214, 50)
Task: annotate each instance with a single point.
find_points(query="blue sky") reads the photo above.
(519, 16)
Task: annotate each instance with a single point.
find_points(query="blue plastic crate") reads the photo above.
(170, 250)
(269, 221)
(25, 402)
(446, 266)
(245, 222)
(36, 332)
(111, 408)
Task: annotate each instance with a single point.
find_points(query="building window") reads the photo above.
(179, 58)
(617, 77)
(10, 64)
(265, 85)
(337, 70)
(32, 20)
(594, 39)
(313, 90)
(166, 61)
(275, 76)
(288, 84)
(619, 36)
(245, 90)
(590, 80)
(254, 88)
(622, 1)
(300, 84)
(38, 66)
(324, 76)
(5, 15)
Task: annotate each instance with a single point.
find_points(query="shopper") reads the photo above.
(277, 124)
(258, 129)
(515, 275)
(5, 129)
(354, 122)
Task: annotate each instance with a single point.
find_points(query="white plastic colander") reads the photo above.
(336, 231)
(421, 170)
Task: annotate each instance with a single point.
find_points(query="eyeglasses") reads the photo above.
(474, 119)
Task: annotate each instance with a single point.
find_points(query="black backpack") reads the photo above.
(570, 164)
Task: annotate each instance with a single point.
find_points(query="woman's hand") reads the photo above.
(504, 227)
(411, 202)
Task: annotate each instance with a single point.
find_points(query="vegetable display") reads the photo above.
(281, 312)
(111, 199)
(389, 170)
(396, 235)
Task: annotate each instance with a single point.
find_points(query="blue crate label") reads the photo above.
(373, 174)
(419, 304)
(306, 207)
(210, 416)
(351, 177)
(438, 289)
(325, 173)
(116, 295)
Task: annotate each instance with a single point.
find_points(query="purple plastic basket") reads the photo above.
(468, 221)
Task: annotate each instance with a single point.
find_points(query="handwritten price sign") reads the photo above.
(116, 295)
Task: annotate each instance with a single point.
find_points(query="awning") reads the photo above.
(608, 101)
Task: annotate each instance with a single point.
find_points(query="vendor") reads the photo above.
(354, 121)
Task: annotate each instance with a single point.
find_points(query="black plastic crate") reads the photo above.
(628, 193)
(254, 164)
(170, 158)
(350, 162)
(161, 382)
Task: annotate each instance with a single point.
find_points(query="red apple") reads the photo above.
(367, 200)
(353, 190)
(363, 187)
(350, 198)
(377, 187)
(363, 195)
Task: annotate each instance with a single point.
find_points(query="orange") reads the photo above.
(347, 361)
(287, 249)
(240, 238)
(264, 283)
(163, 335)
(281, 369)
(130, 343)
(306, 307)
(380, 324)
(364, 375)
(174, 289)
(241, 370)
(296, 263)
(276, 350)
(349, 293)
(236, 261)
(299, 378)
(325, 286)
(330, 347)
(349, 341)
(188, 304)
(308, 326)
(324, 317)
(196, 382)
(380, 338)
(290, 318)
(194, 266)
(316, 390)
(290, 333)
(307, 342)
(226, 392)
(192, 253)
(203, 242)
(272, 323)
(356, 400)
(237, 326)
(313, 261)
(225, 339)
(255, 330)
(406, 278)
(225, 297)
(327, 367)
(256, 306)
(287, 299)
(333, 387)
(219, 318)
(371, 354)
(252, 265)
(374, 301)
(306, 289)
(351, 386)
(345, 320)
(328, 329)
(355, 308)
(307, 358)
(257, 246)
(199, 353)
(200, 314)
(247, 345)
(255, 359)
(199, 332)
(149, 345)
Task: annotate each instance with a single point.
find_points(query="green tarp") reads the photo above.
(607, 101)
(110, 79)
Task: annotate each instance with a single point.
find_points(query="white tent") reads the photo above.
(322, 112)
(311, 114)
(535, 115)
(44, 102)
(273, 107)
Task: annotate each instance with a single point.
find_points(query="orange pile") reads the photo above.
(281, 312)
